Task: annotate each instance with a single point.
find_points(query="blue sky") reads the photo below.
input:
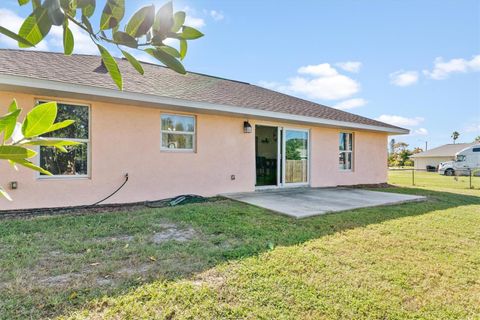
(415, 64)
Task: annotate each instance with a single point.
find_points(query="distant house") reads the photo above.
(179, 134)
(434, 157)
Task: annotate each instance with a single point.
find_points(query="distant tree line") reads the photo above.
(399, 155)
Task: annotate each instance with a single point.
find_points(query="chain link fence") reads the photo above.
(468, 179)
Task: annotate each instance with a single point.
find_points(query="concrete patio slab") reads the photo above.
(307, 202)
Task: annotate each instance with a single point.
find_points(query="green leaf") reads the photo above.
(141, 21)
(87, 24)
(69, 7)
(111, 66)
(23, 2)
(157, 40)
(183, 48)
(36, 4)
(35, 27)
(163, 20)
(8, 122)
(4, 193)
(13, 106)
(15, 153)
(190, 33)
(61, 149)
(167, 60)
(39, 119)
(178, 21)
(60, 125)
(134, 62)
(32, 166)
(10, 127)
(112, 14)
(16, 37)
(55, 12)
(68, 41)
(51, 142)
(87, 6)
(125, 39)
(170, 50)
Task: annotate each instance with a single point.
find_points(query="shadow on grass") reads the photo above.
(224, 230)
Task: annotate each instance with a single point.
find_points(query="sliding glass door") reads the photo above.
(282, 156)
(295, 156)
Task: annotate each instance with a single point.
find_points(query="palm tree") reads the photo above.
(455, 136)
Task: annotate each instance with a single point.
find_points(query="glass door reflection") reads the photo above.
(296, 151)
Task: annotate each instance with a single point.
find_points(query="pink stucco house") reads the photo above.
(175, 134)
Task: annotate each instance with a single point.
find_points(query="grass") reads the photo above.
(435, 181)
(229, 260)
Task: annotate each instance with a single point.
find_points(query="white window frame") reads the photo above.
(193, 134)
(351, 136)
(86, 141)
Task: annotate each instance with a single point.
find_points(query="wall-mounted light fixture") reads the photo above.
(247, 127)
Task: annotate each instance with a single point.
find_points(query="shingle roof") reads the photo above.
(160, 81)
(447, 150)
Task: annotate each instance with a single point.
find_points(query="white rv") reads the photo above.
(466, 161)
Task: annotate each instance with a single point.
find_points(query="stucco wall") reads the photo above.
(126, 139)
(370, 158)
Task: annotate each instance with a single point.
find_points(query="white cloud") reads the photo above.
(421, 132)
(404, 78)
(400, 121)
(319, 70)
(350, 66)
(54, 40)
(442, 69)
(320, 81)
(472, 128)
(351, 104)
(327, 88)
(216, 15)
(83, 43)
(192, 20)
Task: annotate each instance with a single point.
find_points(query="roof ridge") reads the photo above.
(50, 52)
(123, 59)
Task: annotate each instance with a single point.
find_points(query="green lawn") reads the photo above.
(225, 259)
(435, 181)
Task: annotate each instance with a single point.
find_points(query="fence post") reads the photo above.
(470, 174)
(413, 177)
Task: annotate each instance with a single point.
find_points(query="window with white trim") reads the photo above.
(177, 132)
(345, 151)
(74, 162)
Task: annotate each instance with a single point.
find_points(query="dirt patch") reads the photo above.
(173, 232)
(61, 279)
(102, 281)
(133, 270)
(125, 238)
